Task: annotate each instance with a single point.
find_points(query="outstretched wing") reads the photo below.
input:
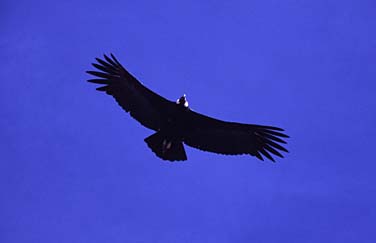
(233, 138)
(143, 104)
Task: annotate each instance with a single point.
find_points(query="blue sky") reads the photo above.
(75, 167)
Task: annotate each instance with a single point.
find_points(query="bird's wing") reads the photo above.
(233, 138)
(143, 104)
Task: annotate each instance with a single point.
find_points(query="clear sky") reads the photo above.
(74, 166)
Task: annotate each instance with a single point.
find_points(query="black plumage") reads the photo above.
(175, 123)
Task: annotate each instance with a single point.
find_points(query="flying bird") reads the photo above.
(176, 124)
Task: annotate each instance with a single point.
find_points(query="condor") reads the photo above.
(176, 124)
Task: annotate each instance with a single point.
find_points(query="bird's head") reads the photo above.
(182, 101)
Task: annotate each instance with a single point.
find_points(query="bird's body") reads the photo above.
(175, 123)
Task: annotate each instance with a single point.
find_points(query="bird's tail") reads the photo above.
(166, 148)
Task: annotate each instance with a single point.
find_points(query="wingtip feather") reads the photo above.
(266, 154)
(258, 155)
(103, 88)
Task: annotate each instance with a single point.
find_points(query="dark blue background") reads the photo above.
(74, 167)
